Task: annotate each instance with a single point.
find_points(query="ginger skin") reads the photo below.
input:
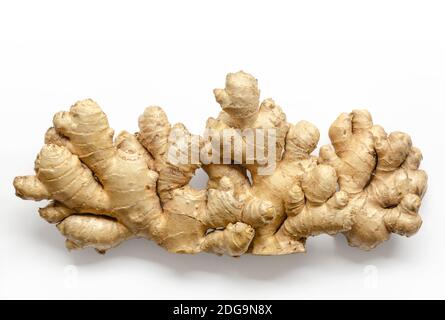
(105, 190)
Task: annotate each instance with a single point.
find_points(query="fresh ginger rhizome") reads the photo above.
(104, 189)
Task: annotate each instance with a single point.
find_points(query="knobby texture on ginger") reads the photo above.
(104, 190)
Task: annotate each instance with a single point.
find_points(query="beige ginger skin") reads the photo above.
(104, 190)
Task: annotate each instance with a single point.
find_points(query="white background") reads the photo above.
(315, 58)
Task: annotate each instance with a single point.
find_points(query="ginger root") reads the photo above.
(105, 190)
